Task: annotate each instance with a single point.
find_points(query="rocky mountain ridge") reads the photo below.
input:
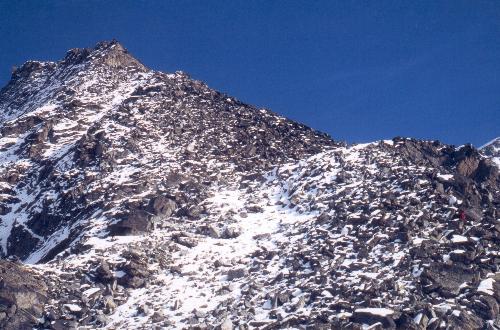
(492, 150)
(137, 199)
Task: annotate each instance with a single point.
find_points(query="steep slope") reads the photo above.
(98, 122)
(492, 150)
(139, 199)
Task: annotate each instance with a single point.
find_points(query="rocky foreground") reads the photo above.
(134, 199)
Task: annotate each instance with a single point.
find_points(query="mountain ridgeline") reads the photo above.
(134, 199)
(492, 150)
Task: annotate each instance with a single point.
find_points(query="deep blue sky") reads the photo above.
(357, 70)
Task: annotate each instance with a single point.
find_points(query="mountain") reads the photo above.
(492, 150)
(133, 199)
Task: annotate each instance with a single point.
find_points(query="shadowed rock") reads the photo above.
(22, 297)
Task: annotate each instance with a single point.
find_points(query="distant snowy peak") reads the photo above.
(492, 150)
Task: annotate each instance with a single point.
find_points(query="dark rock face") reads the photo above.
(103, 272)
(137, 221)
(446, 278)
(23, 295)
(139, 193)
(136, 270)
(236, 273)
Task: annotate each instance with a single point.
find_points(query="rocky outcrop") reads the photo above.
(23, 295)
(162, 206)
(135, 222)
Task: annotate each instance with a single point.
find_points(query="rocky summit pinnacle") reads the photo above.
(111, 54)
(135, 199)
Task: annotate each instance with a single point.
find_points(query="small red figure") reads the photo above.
(462, 215)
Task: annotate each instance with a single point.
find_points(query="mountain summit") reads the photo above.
(99, 112)
(131, 198)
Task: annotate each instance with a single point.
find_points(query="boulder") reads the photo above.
(371, 316)
(22, 296)
(135, 222)
(236, 273)
(447, 279)
(103, 272)
(486, 307)
(162, 206)
(135, 269)
(194, 212)
(231, 232)
(465, 321)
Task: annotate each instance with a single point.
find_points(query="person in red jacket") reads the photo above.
(461, 215)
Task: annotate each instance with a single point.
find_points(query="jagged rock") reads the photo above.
(143, 309)
(372, 316)
(254, 209)
(22, 296)
(158, 316)
(486, 307)
(467, 166)
(448, 278)
(214, 232)
(231, 232)
(136, 222)
(102, 320)
(194, 212)
(135, 269)
(103, 272)
(236, 273)
(163, 206)
(464, 321)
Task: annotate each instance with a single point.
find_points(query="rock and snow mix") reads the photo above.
(492, 150)
(138, 199)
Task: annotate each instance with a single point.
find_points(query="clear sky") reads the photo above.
(358, 70)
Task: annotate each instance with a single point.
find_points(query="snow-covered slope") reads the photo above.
(138, 199)
(492, 150)
(87, 140)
